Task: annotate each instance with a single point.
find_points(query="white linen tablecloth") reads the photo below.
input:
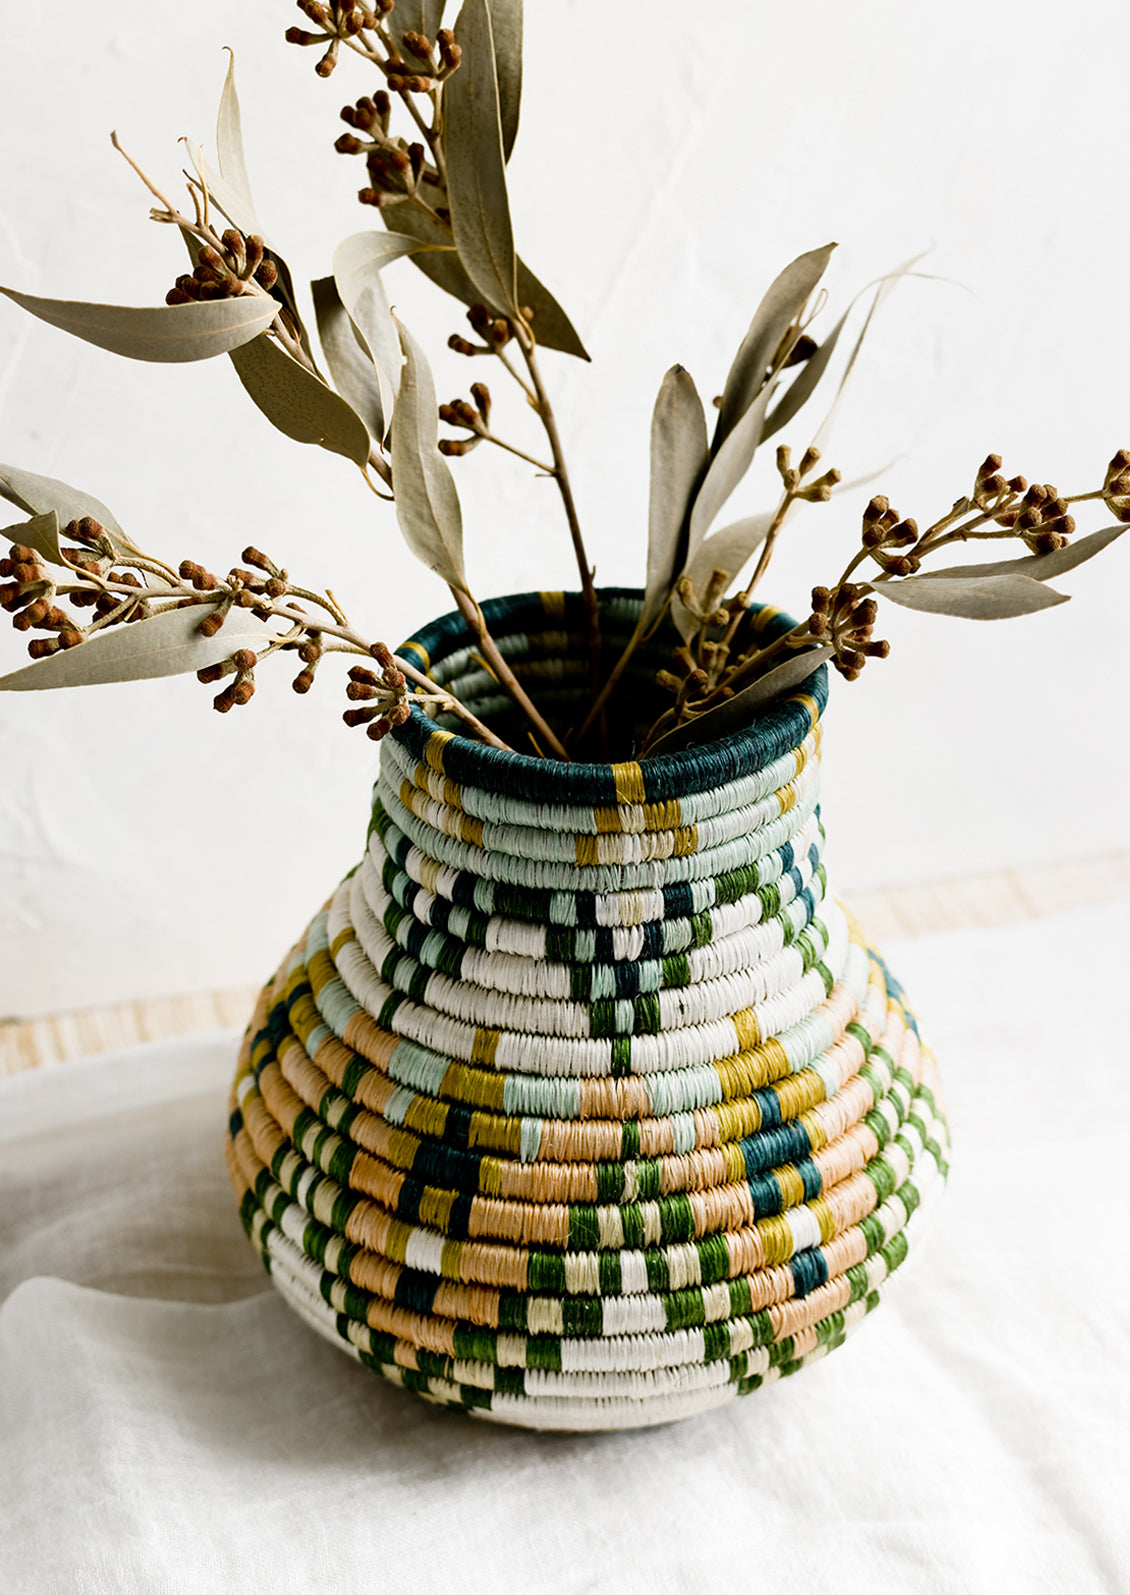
(167, 1425)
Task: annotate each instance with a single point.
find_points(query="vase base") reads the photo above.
(601, 1339)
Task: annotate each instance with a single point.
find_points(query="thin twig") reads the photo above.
(473, 615)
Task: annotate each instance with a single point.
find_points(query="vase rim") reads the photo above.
(783, 726)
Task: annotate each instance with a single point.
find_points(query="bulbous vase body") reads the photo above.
(583, 1104)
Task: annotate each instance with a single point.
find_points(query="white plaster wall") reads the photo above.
(671, 160)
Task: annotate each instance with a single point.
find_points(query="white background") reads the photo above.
(666, 169)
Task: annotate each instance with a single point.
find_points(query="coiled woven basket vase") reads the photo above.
(582, 1104)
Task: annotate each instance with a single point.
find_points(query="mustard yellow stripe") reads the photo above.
(790, 1185)
(490, 1176)
(498, 1135)
(608, 821)
(734, 1163)
(477, 1086)
(433, 753)
(419, 650)
(666, 816)
(587, 849)
(485, 1045)
(402, 1146)
(397, 1236)
(776, 1239)
(297, 977)
(435, 1207)
(763, 618)
(320, 969)
(304, 1017)
(799, 1093)
(451, 1260)
(427, 1117)
(346, 934)
(808, 702)
(737, 1119)
(554, 605)
(686, 841)
(824, 1216)
(814, 1129)
(746, 1027)
(629, 783)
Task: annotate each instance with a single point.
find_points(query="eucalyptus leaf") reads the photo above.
(357, 264)
(726, 469)
(728, 550)
(357, 257)
(233, 204)
(1038, 566)
(441, 263)
(40, 494)
(239, 211)
(351, 365)
(168, 644)
(552, 327)
(414, 16)
(299, 403)
(427, 502)
(801, 390)
(476, 170)
(679, 447)
(506, 26)
(973, 598)
(741, 710)
(442, 266)
(786, 298)
(40, 533)
(229, 139)
(166, 333)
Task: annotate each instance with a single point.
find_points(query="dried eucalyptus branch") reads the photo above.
(124, 587)
(725, 674)
(438, 184)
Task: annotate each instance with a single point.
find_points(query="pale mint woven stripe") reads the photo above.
(696, 808)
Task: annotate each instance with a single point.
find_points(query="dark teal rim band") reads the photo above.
(670, 775)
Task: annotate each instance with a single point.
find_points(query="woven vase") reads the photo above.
(583, 1104)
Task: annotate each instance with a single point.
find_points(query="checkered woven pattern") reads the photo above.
(582, 1104)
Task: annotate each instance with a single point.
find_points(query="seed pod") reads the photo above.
(325, 66)
(254, 247)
